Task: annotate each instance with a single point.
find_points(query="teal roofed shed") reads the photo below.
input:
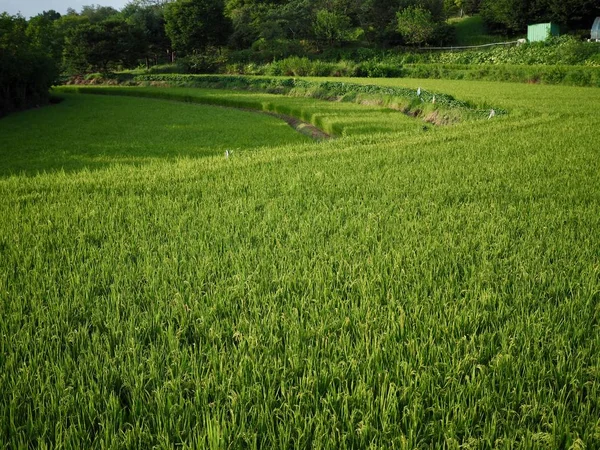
(541, 31)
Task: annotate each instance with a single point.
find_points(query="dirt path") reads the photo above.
(300, 126)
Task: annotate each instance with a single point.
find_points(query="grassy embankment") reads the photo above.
(395, 289)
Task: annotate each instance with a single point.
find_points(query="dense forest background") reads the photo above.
(201, 34)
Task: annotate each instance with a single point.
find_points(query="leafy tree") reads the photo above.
(148, 17)
(50, 15)
(97, 13)
(574, 14)
(69, 22)
(44, 34)
(103, 45)
(511, 15)
(378, 19)
(265, 20)
(515, 15)
(26, 70)
(244, 33)
(295, 17)
(194, 25)
(416, 25)
(332, 27)
(435, 7)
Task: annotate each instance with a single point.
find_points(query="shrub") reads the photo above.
(165, 68)
(210, 61)
(263, 50)
(376, 69)
(293, 66)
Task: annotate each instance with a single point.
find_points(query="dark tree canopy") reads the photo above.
(515, 15)
(149, 19)
(194, 25)
(26, 69)
(102, 45)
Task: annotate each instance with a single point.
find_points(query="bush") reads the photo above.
(567, 75)
(165, 68)
(299, 67)
(376, 69)
(213, 60)
(302, 67)
(563, 50)
(264, 50)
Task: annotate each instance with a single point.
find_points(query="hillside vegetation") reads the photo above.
(392, 289)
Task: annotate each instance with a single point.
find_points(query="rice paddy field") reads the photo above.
(400, 286)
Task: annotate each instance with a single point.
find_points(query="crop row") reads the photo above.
(412, 99)
(388, 289)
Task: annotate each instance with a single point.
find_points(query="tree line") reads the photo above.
(101, 38)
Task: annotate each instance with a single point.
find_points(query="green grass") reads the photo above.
(336, 118)
(95, 132)
(390, 290)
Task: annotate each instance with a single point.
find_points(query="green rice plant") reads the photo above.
(334, 118)
(387, 289)
(129, 131)
(415, 102)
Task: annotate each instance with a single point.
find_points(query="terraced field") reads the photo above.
(401, 286)
(95, 132)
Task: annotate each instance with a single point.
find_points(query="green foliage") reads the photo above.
(27, 69)
(514, 63)
(416, 25)
(418, 289)
(563, 50)
(194, 25)
(314, 68)
(264, 50)
(334, 28)
(294, 66)
(103, 46)
(378, 69)
(508, 14)
(567, 75)
(98, 13)
(44, 34)
(515, 15)
(211, 60)
(150, 20)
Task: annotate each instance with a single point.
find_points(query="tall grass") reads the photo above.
(383, 290)
(381, 115)
(96, 132)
